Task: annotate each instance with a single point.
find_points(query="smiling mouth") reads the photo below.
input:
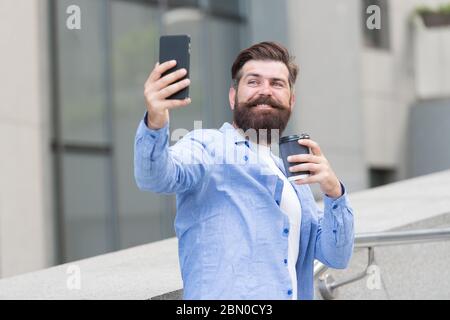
(263, 106)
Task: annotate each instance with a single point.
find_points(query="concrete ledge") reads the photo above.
(152, 271)
(402, 203)
(415, 271)
(139, 273)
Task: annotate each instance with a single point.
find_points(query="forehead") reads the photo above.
(267, 69)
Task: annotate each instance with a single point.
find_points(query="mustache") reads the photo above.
(263, 100)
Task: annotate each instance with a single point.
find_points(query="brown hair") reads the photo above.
(265, 51)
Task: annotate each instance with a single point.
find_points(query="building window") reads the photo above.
(381, 176)
(98, 76)
(376, 38)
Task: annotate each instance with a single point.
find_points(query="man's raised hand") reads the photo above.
(157, 90)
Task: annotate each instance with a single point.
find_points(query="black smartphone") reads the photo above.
(176, 47)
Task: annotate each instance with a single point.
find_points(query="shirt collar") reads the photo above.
(230, 132)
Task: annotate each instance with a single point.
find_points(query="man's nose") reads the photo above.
(265, 89)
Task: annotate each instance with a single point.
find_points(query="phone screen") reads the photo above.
(176, 47)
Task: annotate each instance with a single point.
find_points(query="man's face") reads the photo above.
(263, 99)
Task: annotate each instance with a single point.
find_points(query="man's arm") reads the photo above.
(335, 235)
(334, 242)
(157, 167)
(161, 169)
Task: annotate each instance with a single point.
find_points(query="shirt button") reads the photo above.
(245, 158)
(286, 231)
(335, 207)
(285, 261)
(289, 292)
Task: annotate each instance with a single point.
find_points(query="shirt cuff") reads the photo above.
(144, 130)
(333, 201)
(152, 142)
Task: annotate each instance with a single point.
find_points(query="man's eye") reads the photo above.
(278, 84)
(253, 82)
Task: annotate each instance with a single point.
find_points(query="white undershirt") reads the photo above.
(290, 205)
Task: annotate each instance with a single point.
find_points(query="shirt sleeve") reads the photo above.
(335, 235)
(167, 170)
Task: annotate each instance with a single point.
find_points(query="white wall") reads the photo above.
(325, 37)
(25, 207)
(388, 90)
(432, 61)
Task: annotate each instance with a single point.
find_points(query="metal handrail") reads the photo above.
(378, 239)
(392, 238)
(328, 286)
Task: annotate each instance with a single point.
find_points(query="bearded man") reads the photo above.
(244, 230)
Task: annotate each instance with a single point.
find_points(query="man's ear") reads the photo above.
(232, 97)
(292, 102)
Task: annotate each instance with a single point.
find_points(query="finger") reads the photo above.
(160, 69)
(152, 76)
(312, 167)
(170, 78)
(305, 158)
(308, 180)
(311, 144)
(173, 104)
(174, 88)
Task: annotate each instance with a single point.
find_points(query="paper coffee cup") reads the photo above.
(289, 146)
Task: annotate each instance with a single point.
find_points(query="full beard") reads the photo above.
(247, 115)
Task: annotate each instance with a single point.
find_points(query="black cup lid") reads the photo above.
(294, 138)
